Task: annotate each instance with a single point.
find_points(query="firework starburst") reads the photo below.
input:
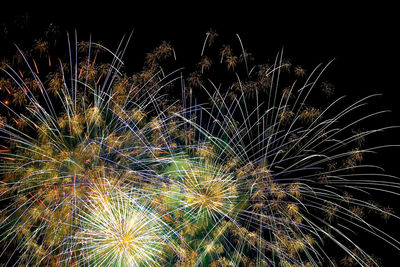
(105, 168)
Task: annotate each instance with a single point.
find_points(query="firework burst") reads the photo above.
(104, 168)
(117, 230)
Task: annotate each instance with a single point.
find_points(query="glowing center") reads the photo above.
(126, 242)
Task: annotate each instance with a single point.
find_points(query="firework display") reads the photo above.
(232, 164)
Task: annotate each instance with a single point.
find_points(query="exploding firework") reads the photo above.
(104, 168)
(117, 229)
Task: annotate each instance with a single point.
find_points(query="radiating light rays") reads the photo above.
(58, 157)
(117, 230)
(205, 192)
(291, 164)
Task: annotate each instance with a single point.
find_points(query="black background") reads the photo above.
(361, 38)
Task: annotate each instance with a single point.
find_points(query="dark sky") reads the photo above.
(361, 38)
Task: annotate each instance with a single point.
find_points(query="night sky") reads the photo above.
(361, 39)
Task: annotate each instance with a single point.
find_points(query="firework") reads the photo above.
(116, 229)
(104, 168)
